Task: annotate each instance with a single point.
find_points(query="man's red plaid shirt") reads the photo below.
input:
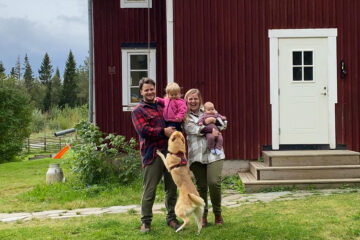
(149, 123)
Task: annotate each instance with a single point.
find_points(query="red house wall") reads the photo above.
(112, 27)
(222, 48)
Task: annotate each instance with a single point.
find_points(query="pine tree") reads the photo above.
(17, 69)
(12, 72)
(83, 82)
(56, 88)
(69, 91)
(2, 68)
(45, 73)
(28, 75)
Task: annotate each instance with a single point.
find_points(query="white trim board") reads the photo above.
(136, 4)
(274, 35)
(170, 40)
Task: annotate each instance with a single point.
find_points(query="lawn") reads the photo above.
(23, 189)
(317, 217)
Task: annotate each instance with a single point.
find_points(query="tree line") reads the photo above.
(49, 89)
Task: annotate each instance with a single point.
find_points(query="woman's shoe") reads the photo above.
(204, 222)
(218, 220)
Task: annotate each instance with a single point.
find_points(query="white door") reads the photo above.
(303, 91)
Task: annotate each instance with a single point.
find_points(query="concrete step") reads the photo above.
(251, 184)
(263, 172)
(311, 158)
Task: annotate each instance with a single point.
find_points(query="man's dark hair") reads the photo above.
(146, 80)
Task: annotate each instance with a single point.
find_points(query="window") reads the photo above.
(136, 64)
(303, 66)
(136, 3)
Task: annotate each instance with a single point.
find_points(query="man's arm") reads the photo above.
(142, 126)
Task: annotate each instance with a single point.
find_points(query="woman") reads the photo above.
(205, 166)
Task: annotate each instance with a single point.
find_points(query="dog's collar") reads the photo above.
(183, 161)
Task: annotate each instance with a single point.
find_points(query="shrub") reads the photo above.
(101, 160)
(38, 121)
(15, 118)
(58, 119)
(67, 117)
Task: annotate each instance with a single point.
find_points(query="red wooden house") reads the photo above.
(284, 72)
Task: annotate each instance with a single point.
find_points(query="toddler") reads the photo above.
(174, 106)
(214, 143)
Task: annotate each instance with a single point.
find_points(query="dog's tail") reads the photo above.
(198, 201)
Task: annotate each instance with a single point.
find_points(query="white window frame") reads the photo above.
(125, 54)
(303, 67)
(134, 4)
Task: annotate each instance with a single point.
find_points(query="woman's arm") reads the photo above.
(224, 126)
(192, 128)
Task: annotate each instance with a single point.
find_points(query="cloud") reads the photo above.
(73, 19)
(20, 36)
(39, 26)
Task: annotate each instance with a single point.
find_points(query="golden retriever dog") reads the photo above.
(189, 199)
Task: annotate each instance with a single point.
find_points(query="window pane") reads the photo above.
(136, 76)
(308, 58)
(138, 62)
(297, 73)
(308, 73)
(297, 57)
(135, 95)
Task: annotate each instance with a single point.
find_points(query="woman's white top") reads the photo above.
(197, 143)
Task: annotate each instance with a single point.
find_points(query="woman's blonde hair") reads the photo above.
(173, 88)
(187, 94)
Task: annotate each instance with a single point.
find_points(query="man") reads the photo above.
(149, 123)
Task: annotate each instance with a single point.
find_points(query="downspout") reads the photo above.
(91, 62)
(170, 40)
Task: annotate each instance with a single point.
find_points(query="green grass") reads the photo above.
(316, 217)
(23, 189)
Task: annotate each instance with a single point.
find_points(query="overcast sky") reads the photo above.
(39, 26)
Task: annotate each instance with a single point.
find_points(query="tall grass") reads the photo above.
(58, 119)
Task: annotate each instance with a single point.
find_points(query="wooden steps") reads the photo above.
(303, 169)
(311, 158)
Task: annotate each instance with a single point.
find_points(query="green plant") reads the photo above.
(101, 160)
(15, 118)
(234, 183)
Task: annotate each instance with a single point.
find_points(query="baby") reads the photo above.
(214, 143)
(174, 106)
